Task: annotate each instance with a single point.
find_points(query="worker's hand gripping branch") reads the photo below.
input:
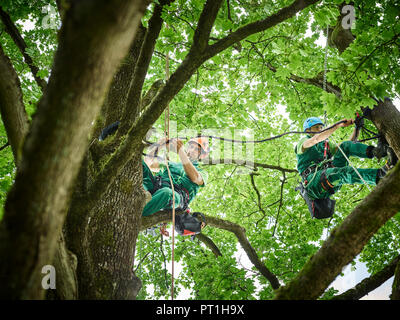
(318, 134)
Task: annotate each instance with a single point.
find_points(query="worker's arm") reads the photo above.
(188, 166)
(150, 159)
(325, 135)
(354, 134)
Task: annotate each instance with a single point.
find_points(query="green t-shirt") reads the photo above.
(179, 177)
(312, 155)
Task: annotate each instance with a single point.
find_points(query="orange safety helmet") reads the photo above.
(203, 143)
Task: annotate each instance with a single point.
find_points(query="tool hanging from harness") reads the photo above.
(319, 208)
(187, 224)
(183, 192)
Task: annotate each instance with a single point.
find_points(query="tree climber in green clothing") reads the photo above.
(187, 177)
(324, 170)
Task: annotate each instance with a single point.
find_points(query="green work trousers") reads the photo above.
(161, 199)
(342, 173)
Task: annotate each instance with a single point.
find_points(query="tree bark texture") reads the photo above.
(88, 54)
(65, 264)
(104, 238)
(396, 284)
(12, 107)
(14, 33)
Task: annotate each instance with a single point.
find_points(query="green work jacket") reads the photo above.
(180, 177)
(311, 156)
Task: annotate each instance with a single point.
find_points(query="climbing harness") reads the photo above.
(319, 208)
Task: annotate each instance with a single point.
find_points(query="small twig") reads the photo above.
(5, 146)
(140, 262)
(258, 196)
(165, 263)
(280, 203)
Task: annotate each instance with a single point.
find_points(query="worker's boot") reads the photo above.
(381, 150)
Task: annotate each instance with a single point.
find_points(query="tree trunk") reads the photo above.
(12, 108)
(396, 284)
(65, 264)
(94, 37)
(386, 118)
(104, 238)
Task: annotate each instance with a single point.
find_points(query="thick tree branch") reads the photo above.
(346, 241)
(339, 37)
(386, 118)
(65, 263)
(369, 284)
(114, 106)
(280, 203)
(14, 33)
(396, 284)
(83, 67)
(245, 163)
(258, 26)
(151, 93)
(316, 81)
(204, 26)
(12, 107)
(146, 52)
(237, 230)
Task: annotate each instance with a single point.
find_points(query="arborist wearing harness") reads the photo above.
(186, 175)
(324, 170)
(187, 178)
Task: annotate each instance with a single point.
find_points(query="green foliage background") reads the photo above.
(238, 90)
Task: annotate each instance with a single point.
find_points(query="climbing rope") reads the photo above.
(166, 130)
(348, 160)
(239, 141)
